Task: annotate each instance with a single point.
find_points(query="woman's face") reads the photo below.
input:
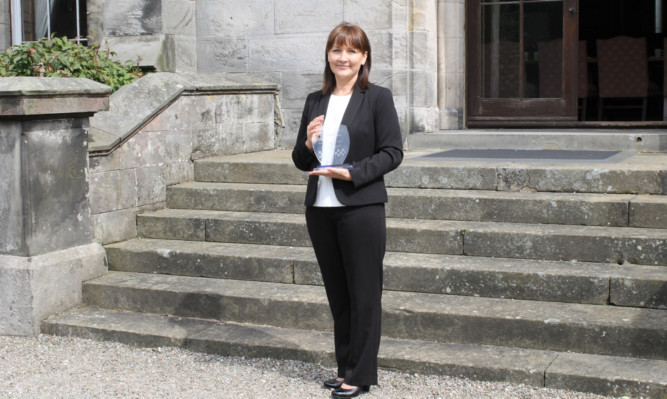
(345, 61)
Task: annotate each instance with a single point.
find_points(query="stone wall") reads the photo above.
(285, 40)
(163, 33)
(418, 47)
(282, 41)
(159, 125)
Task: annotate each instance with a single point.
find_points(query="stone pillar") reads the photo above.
(46, 236)
(451, 63)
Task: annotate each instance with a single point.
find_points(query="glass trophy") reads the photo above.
(332, 147)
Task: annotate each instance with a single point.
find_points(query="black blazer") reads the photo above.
(375, 145)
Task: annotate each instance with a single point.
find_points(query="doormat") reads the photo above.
(529, 155)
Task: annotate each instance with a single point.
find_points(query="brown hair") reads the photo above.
(355, 37)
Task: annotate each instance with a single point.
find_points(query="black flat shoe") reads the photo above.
(333, 383)
(349, 393)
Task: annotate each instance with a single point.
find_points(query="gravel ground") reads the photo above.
(62, 367)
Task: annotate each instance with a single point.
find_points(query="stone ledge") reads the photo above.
(134, 105)
(32, 96)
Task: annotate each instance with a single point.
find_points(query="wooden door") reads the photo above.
(521, 62)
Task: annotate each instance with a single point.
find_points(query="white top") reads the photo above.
(326, 197)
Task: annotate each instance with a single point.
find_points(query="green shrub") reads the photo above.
(62, 58)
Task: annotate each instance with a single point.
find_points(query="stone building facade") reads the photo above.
(417, 45)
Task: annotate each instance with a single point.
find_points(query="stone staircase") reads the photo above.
(545, 274)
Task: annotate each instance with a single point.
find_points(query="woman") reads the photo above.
(345, 207)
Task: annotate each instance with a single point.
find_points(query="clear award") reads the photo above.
(331, 148)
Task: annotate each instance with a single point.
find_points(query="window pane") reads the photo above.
(500, 50)
(543, 49)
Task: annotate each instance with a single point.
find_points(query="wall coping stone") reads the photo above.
(136, 104)
(32, 96)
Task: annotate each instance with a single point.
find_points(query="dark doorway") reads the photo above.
(603, 21)
(561, 63)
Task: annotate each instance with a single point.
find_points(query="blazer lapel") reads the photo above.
(354, 105)
(323, 105)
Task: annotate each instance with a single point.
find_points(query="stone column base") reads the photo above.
(33, 288)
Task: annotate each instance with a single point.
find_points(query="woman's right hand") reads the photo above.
(313, 131)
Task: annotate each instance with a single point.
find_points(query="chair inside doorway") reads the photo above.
(625, 57)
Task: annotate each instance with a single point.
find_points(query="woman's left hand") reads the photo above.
(334, 173)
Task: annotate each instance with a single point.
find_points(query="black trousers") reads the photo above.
(349, 244)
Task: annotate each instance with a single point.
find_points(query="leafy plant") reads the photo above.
(57, 56)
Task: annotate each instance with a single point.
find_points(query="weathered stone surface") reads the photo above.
(639, 286)
(113, 190)
(507, 240)
(430, 175)
(439, 274)
(222, 54)
(371, 15)
(134, 104)
(178, 172)
(219, 18)
(478, 205)
(229, 339)
(179, 17)
(582, 243)
(16, 86)
(649, 211)
(291, 52)
(240, 123)
(115, 226)
(171, 225)
(257, 228)
(593, 179)
(289, 229)
(282, 305)
(24, 96)
(12, 236)
(527, 324)
(184, 57)
(212, 260)
(237, 197)
(44, 186)
(425, 236)
(617, 376)
(151, 186)
(247, 168)
(476, 362)
(553, 326)
(496, 277)
(563, 370)
(39, 286)
(306, 17)
(137, 329)
(132, 17)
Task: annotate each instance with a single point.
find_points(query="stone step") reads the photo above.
(473, 205)
(603, 330)
(639, 174)
(573, 282)
(604, 375)
(505, 240)
(647, 140)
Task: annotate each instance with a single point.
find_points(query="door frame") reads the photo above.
(498, 112)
